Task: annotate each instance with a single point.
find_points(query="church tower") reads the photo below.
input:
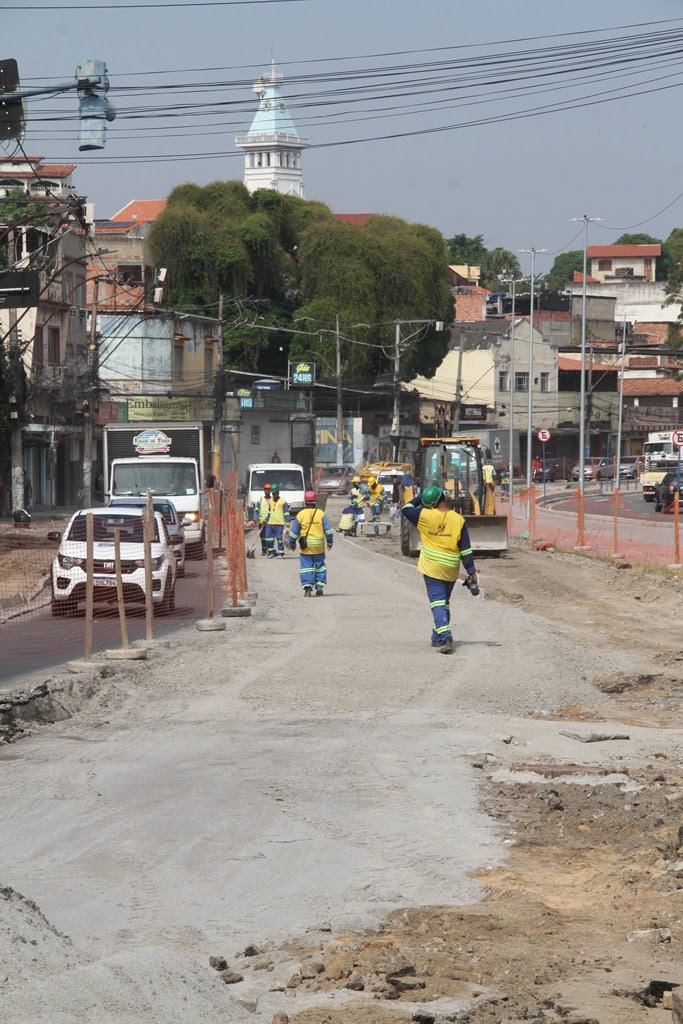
(272, 146)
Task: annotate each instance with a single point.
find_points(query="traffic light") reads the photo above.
(94, 107)
(12, 109)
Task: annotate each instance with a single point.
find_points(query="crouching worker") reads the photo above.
(445, 541)
(311, 528)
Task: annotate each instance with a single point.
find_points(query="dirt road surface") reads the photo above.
(353, 826)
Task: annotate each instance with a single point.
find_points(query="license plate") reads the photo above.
(104, 581)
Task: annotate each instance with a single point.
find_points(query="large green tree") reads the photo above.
(288, 269)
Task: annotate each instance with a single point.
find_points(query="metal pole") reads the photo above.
(529, 442)
(582, 404)
(511, 436)
(218, 398)
(396, 421)
(340, 411)
(620, 418)
(457, 412)
(91, 382)
(16, 404)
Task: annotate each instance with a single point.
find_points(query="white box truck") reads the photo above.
(166, 459)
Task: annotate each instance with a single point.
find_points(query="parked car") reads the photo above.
(335, 479)
(629, 467)
(169, 514)
(595, 469)
(69, 567)
(665, 491)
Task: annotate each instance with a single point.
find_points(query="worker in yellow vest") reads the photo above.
(489, 474)
(278, 517)
(261, 517)
(311, 528)
(445, 542)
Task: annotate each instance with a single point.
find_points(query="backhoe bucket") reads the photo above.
(488, 534)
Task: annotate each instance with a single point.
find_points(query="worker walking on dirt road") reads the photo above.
(261, 517)
(311, 528)
(278, 516)
(445, 542)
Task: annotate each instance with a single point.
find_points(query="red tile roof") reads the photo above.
(635, 387)
(565, 363)
(41, 171)
(578, 278)
(357, 219)
(606, 251)
(141, 211)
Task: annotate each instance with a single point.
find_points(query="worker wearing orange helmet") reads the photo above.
(311, 528)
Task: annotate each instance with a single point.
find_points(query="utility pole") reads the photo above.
(582, 403)
(340, 411)
(396, 419)
(457, 412)
(91, 392)
(219, 397)
(529, 437)
(16, 396)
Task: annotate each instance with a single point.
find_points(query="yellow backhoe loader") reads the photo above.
(457, 465)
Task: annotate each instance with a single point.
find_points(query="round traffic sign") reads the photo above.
(544, 435)
(677, 438)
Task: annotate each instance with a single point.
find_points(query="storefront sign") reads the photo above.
(301, 375)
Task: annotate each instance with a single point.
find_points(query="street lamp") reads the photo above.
(582, 405)
(529, 443)
(509, 278)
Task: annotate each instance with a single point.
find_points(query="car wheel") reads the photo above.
(181, 570)
(165, 605)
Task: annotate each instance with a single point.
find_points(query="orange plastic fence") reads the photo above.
(645, 540)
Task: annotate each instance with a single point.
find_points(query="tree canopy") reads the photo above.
(492, 262)
(287, 268)
(561, 273)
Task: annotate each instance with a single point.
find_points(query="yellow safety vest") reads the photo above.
(263, 509)
(376, 493)
(311, 527)
(488, 471)
(440, 552)
(277, 512)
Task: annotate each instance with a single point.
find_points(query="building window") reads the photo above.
(208, 362)
(178, 361)
(521, 382)
(129, 274)
(38, 350)
(503, 380)
(67, 287)
(53, 355)
(545, 382)
(256, 433)
(605, 266)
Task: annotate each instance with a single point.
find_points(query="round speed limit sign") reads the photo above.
(543, 435)
(677, 438)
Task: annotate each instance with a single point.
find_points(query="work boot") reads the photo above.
(446, 647)
(307, 591)
(319, 592)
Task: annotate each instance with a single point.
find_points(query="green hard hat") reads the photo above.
(431, 496)
(276, 488)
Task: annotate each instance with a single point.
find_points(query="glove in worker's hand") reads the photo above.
(472, 584)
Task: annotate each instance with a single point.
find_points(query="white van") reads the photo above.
(288, 475)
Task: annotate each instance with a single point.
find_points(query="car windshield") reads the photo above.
(105, 525)
(456, 463)
(288, 479)
(157, 477)
(166, 508)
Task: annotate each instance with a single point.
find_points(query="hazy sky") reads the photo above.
(517, 182)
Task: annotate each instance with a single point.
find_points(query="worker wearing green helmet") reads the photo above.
(445, 543)
(278, 517)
